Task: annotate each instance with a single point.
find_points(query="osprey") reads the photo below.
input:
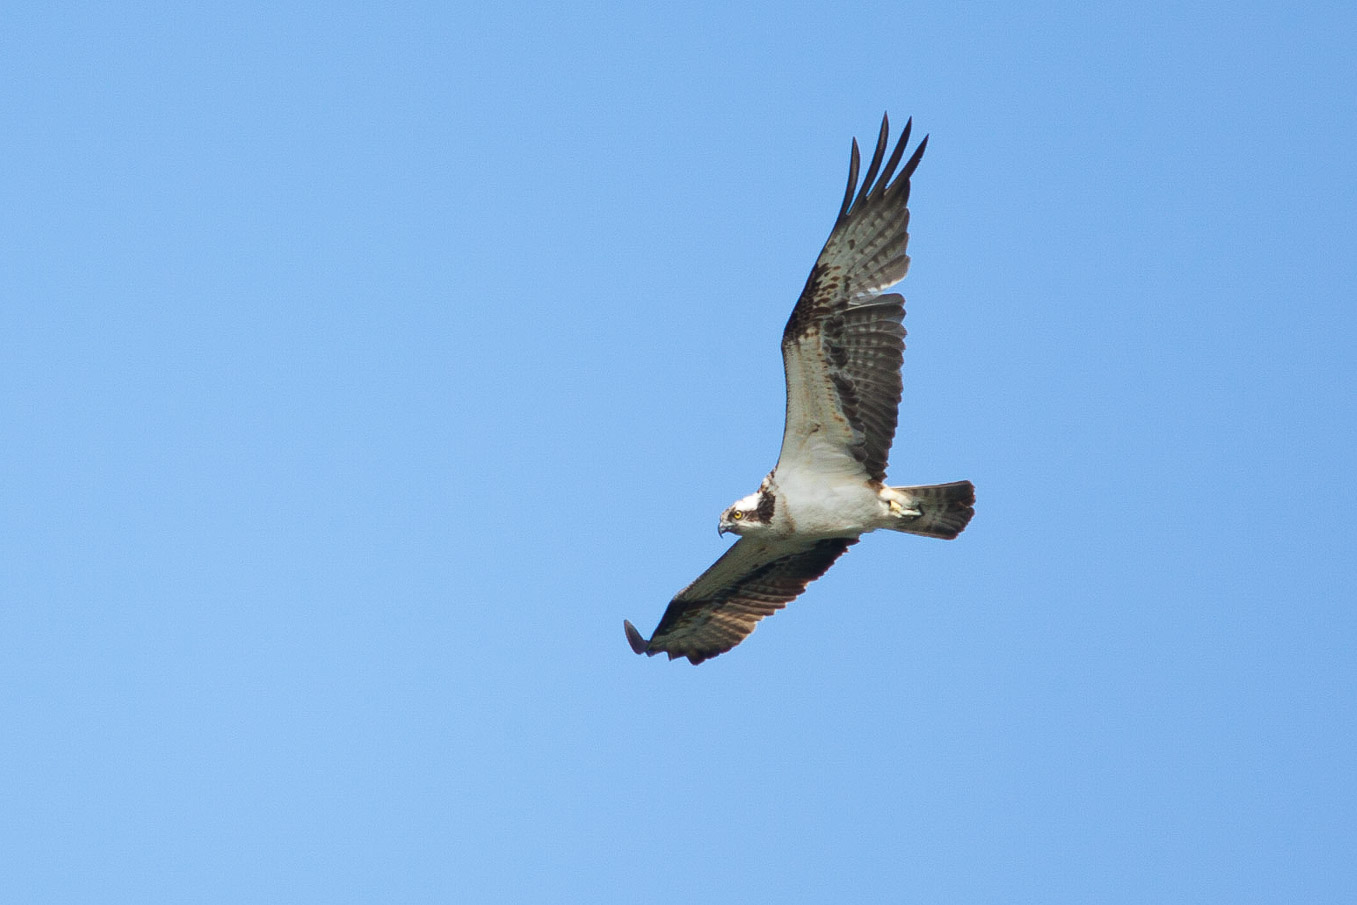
(841, 352)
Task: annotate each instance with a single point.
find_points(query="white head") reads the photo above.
(748, 515)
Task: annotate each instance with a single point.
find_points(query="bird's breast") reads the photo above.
(826, 507)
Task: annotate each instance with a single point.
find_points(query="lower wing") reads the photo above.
(753, 579)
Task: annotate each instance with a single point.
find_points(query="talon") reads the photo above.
(902, 512)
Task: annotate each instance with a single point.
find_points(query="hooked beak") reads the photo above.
(720, 530)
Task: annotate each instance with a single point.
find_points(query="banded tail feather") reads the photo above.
(946, 508)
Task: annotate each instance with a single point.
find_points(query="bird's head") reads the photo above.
(748, 515)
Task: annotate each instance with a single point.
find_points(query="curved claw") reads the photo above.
(638, 644)
(902, 512)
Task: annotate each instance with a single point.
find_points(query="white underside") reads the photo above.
(828, 505)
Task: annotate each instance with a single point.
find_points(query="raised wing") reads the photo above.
(754, 578)
(844, 343)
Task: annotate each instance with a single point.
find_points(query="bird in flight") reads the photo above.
(841, 351)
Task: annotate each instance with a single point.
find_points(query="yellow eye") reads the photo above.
(737, 514)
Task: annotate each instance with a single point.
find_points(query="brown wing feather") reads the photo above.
(844, 342)
(721, 608)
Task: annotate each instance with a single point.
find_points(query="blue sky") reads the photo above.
(362, 367)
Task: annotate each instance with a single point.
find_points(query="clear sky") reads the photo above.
(362, 366)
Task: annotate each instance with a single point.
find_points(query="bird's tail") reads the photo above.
(944, 509)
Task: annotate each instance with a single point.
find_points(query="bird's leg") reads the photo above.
(902, 512)
(899, 504)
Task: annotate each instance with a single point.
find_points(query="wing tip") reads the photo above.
(854, 159)
(856, 196)
(641, 646)
(638, 644)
